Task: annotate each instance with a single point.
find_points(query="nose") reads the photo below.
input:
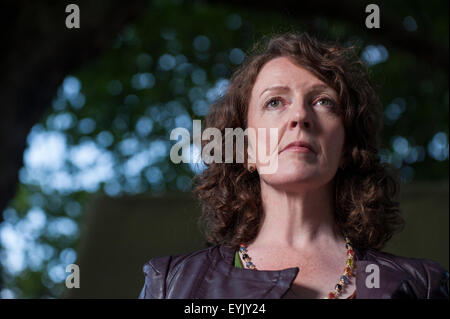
(301, 123)
(299, 117)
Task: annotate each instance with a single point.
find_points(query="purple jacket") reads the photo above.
(210, 274)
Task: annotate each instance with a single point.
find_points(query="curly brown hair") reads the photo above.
(366, 209)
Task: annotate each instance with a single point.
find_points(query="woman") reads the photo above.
(315, 227)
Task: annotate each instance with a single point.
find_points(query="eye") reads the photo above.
(325, 102)
(273, 103)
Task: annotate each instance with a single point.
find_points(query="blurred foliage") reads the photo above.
(111, 121)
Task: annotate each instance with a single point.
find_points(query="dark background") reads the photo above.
(86, 116)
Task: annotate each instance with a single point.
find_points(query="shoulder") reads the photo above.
(427, 278)
(172, 263)
(413, 266)
(160, 271)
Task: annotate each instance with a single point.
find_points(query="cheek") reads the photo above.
(335, 142)
(259, 119)
(269, 133)
(263, 143)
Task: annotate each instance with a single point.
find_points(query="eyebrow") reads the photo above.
(276, 87)
(315, 87)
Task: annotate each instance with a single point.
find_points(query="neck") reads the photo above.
(298, 221)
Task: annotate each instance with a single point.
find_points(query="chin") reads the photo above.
(295, 171)
(296, 179)
(280, 180)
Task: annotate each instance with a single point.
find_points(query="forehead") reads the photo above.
(282, 71)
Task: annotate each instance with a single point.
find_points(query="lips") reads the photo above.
(299, 144)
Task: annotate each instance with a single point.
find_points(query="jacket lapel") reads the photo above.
(223, 280)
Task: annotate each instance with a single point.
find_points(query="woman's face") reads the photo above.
(303, 109)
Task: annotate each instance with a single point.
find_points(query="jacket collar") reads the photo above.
(275, 283)
(271, 284)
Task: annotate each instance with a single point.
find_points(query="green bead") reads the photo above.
(350, 262)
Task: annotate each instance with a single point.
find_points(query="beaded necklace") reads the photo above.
(343, 280)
